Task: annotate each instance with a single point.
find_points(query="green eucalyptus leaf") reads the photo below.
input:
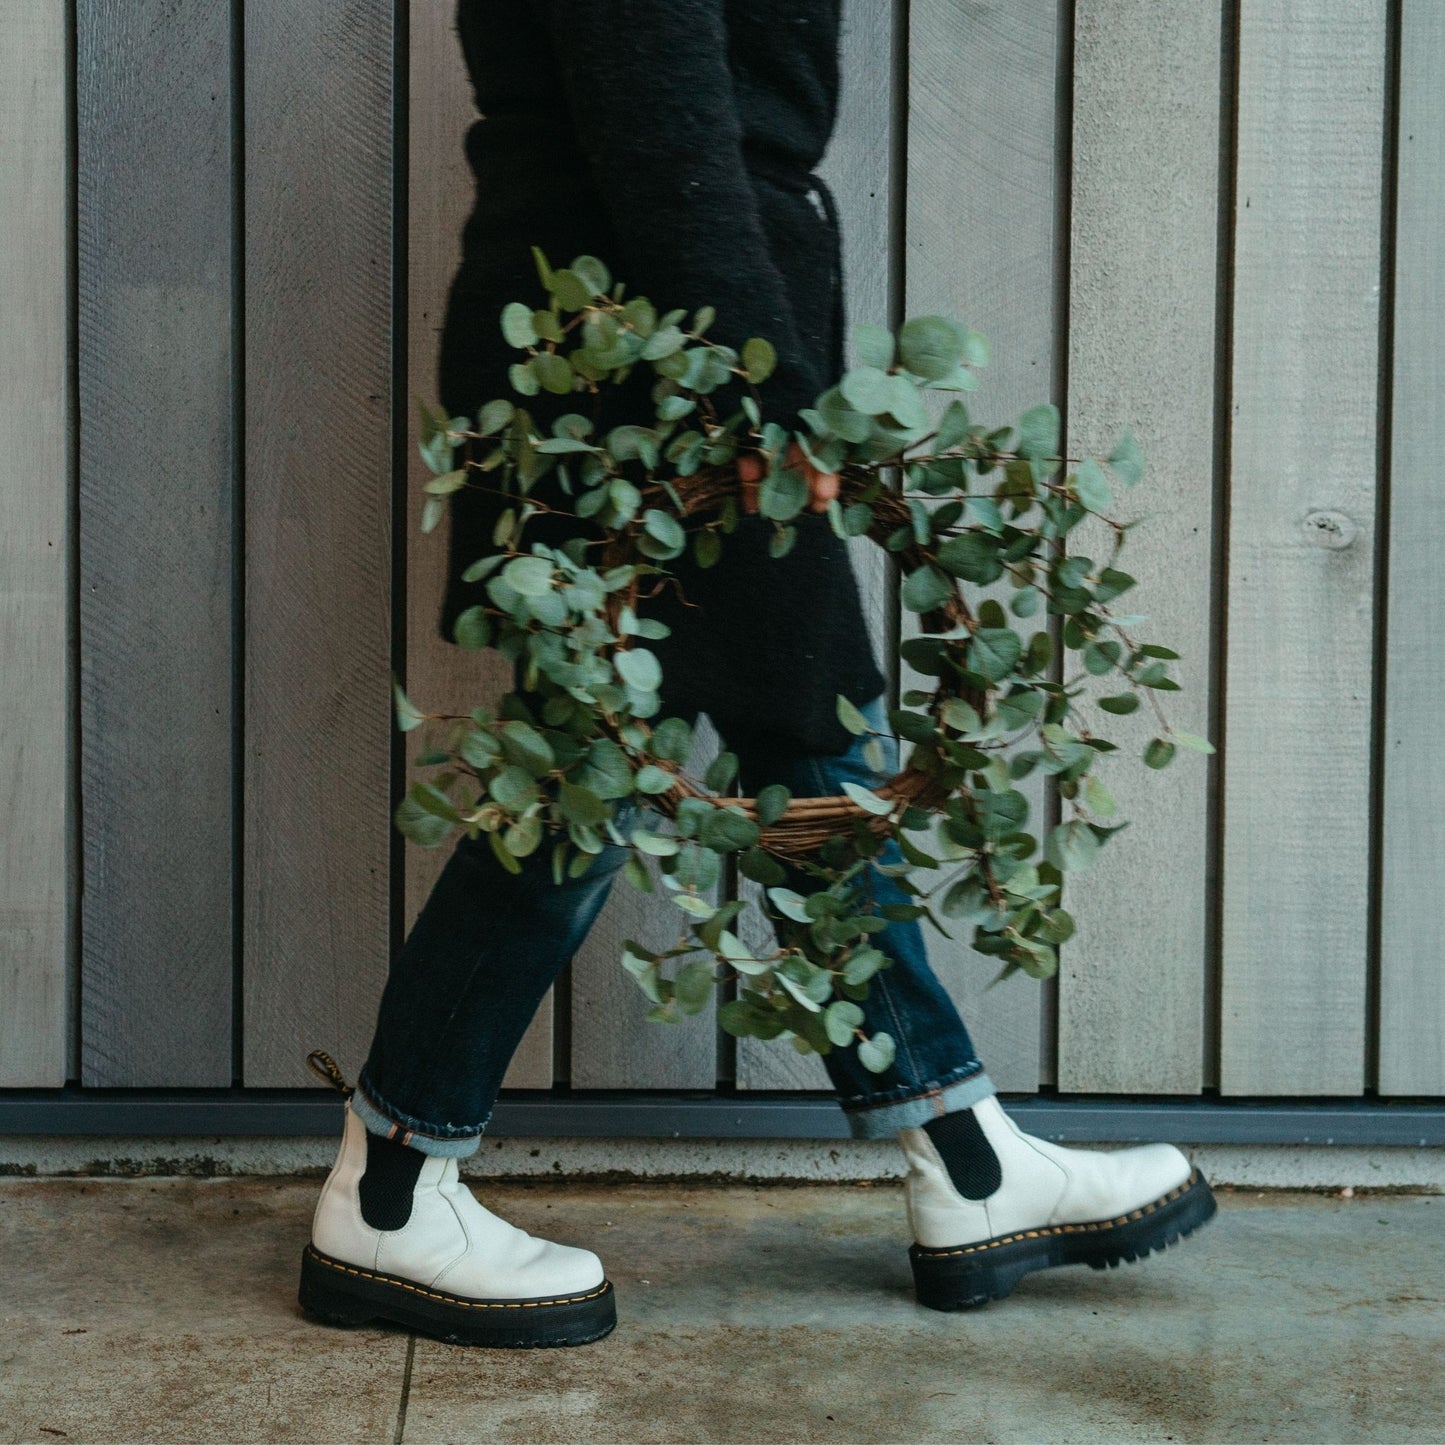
(526, 747)
(1039, 432)
(503, 853)
(529, 576)
(580, 805)
(931, 346)
(1188, 740)
(874, 345)
(759, 359)
(721, 772)
(571, 289)
(553, 371)
(517, 327)
(706, 547)
(1121, 703)
(1159, 753)
(790, 904)
(664, 526)
(772, 803)
(851, 717)
(423, 826)
(652, 779)
(638, 667)
(781, 542)
(994, 651)
(926, 588)
(876, 1053)
(523, 380)
(592, 273)
(840, 1019)
(1126, 460)
(1071, 847)
(408, 715)
(694, 986)
(867, 798)
(1093, 486)
(866, 389)
(727, 829)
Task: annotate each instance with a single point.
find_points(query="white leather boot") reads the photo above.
(413, 1245)
(988, 1203)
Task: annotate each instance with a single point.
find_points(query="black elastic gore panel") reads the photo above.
(972, 1165)
(386, 1186)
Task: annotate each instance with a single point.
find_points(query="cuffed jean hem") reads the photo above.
(458, 1146)
(879, 1121)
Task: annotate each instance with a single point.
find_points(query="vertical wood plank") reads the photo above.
(981, 246)
(1412, 936)
(37, 881)
(319, 723)
(856, 170)
(1142, 354)
(1301, 539)
(443, 677)
(154, 173)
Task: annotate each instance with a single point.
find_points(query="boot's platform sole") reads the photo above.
(972, 1274)
(345, 1294)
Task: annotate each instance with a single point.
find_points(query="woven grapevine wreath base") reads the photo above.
(807, 823)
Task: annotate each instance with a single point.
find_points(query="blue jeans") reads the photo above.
(488, 944)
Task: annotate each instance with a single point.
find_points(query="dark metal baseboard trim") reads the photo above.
(289, 1112)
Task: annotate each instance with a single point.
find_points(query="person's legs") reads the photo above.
(396, 1234)
(935, 1069)
(483, 952)
(986, 1202)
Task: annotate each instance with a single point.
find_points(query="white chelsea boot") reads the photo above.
(988, 1203)
(413, 1245)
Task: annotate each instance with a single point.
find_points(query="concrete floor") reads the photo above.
(166, 1310)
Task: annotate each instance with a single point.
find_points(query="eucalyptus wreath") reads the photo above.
(954, 501)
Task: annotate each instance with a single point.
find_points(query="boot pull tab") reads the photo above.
(324, 1067)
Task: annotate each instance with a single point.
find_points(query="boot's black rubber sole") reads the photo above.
(971, 1275)
(345, 1294)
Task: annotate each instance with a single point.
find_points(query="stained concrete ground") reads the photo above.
(165, 1309)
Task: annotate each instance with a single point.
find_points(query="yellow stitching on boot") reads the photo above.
(1064, 1228)
(324, 1067)
(455, 1299)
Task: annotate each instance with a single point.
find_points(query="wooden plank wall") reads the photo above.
(1144, 212)
(1412, 933)
(153, 219)
(1301, 578)
(318, 722)
(37, 880)
(1214, 259)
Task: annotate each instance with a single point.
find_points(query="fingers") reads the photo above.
(750, 469)
(822, 486)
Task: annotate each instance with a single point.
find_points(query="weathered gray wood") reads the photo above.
(981, 246)
(613, 1045)
(319, 716)
(441, 677)
(38, 892)
(153, 100)
(856, 169)
(1301, 542)
(1142, 291)
(1412, 934)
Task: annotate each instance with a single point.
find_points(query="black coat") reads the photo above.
(675, 140)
